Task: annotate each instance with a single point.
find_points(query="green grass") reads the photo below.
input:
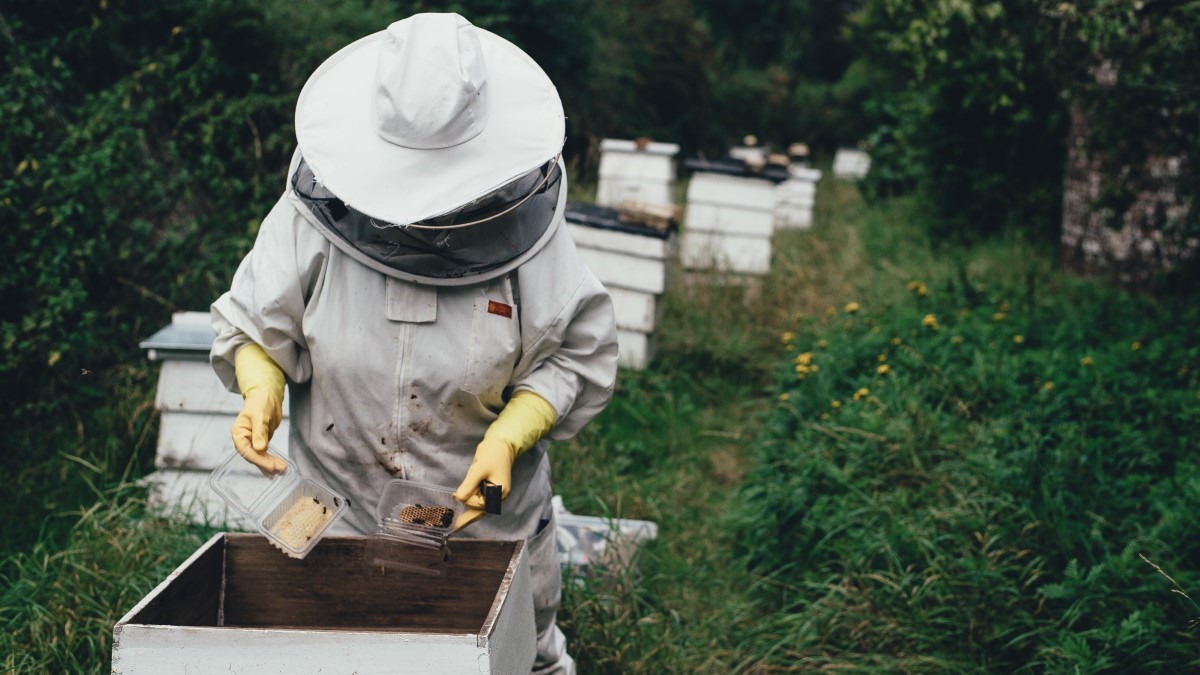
(961, 517)
(59, 603)
(979, 509)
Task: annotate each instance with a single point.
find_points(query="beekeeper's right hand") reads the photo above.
(262, 383)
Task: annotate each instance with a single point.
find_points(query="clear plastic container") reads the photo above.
(414, 521)
(292, 511)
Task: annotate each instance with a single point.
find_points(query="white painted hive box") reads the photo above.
(633, 263)
(197, 413)
(796, 199)
(730, 218)
(851, 163)
(629, 172)
(238, 605)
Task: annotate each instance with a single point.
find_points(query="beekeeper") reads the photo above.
(417, 289)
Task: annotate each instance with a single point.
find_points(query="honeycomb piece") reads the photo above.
(302, 522)
(429, 516)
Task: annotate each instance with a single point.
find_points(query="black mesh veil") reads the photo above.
(475, 238)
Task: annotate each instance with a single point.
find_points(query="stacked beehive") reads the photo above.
(632, 261)
(636, 171)
(851, 163)
(730, 216)
(796, 198)
(197, 413)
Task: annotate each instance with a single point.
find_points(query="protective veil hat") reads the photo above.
(430, 114)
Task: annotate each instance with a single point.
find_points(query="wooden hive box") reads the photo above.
(239, 606)
(796, 198)
(632, 262)
(851, 163)
(630, 171)
(730, 217)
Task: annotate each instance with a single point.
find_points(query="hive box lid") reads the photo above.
(651, 148)
(236, 605)
(189, 336)
(608, 218)
(735, 167)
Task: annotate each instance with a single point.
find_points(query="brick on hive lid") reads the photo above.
(661, 217)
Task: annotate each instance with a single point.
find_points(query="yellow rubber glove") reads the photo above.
(262, 383)
(523, 421)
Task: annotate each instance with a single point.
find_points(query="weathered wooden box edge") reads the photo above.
(176, 628)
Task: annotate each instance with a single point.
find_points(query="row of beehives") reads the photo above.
(733, 207)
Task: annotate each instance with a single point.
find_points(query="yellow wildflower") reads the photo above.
(999, 316)
(803, 359)
(918, 287)
(835, 404)
(852, 307)
(896, 342)
(821, 344)
(861, 394)
(1137, 344)
(881, 358)
(784, 396)
(791, 347)
(1019, 339)
(1087, 362)
(884, 369)
(787, 337)
(1049, 386)
(930, 321)
(956, 340)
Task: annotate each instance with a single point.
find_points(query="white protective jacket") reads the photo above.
(389, 378)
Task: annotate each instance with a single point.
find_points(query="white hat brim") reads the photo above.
(336, 134)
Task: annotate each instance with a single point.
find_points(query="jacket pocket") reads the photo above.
(495, 343)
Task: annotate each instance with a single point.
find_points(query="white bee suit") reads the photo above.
(392, 378)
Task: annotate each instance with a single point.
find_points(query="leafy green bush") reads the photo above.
(1138, 98)
(146, 140)
(971, 474)
(969, 111)
(971, 104)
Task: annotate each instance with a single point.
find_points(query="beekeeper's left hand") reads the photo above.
(522, 423)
